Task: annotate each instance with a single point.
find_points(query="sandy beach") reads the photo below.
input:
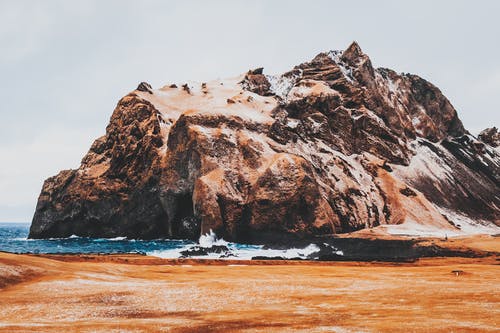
(133, 293)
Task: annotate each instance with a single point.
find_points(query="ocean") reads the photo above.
(13, 238)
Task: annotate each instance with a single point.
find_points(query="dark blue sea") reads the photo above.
(13, 238)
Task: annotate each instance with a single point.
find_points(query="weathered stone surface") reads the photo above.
(332, 146)
(115, 191)
(490, 136)
(144, 86)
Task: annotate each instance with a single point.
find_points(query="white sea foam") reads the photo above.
(285, 253)
(54, 238)
(167, 254)
(240, 251)
(116, 238)
(210, 239)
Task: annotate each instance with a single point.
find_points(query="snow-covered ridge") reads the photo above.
(223, 96)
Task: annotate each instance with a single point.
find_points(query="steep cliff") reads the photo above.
(332, 146)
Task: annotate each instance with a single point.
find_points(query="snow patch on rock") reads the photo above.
(424, 163)
(306, 88)
(282, 84)
(344, 68)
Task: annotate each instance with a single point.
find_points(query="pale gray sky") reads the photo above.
(65, 64)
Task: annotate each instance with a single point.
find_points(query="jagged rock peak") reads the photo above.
(354, 49)
(256, 71)
(490, 136)
(353, 52)
(144, 86)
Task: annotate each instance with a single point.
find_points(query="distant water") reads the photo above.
(13, 238)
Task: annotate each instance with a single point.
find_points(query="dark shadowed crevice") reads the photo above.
(183, 222)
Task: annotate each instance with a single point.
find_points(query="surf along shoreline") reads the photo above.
(139, 293)
(336, 249)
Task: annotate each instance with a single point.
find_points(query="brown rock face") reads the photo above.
(490, 136)
(332, 146)
(115, 191)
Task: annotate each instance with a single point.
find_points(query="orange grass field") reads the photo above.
(133, 293)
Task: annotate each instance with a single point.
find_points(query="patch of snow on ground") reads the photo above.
(469, 226)
(412, 228)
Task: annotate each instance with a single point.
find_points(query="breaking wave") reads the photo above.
(13, 238)
(211, 247)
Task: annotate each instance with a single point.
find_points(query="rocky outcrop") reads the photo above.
(334, 145)
(490, 136)
(115, 191)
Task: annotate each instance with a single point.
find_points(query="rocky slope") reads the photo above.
(332, 146)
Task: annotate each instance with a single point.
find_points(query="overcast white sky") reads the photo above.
(65, 64)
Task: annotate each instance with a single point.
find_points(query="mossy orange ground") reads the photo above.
(99, 293)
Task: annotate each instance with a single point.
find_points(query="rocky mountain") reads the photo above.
(491, 136)
(332, 146)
